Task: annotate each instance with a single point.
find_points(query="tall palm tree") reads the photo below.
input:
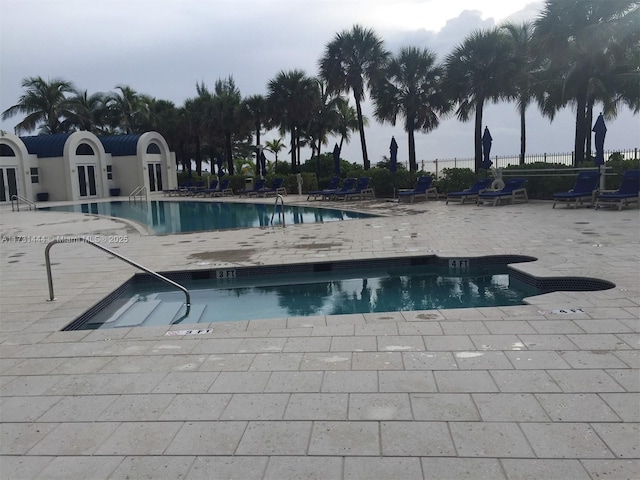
(255, 109)
(348, 121)
(89, 112)
(413, 90)
(292, 99)
(45, 104)
(585, 48)
(128, 109)
(274, 146)
(352, 61)
(479, 71)
(326, 119)
(524, 59)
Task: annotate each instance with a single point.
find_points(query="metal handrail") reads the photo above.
(275, 206)
(139, 191)
(114, 254)
(17, 199)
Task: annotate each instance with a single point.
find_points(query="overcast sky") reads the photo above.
(163, 47)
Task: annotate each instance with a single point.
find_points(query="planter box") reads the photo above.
(42, 196)
(114, 192)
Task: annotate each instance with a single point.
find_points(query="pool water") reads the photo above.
(419, 287)
(166, 217)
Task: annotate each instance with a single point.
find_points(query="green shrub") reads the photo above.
(455, 180)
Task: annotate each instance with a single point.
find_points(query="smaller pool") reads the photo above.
(166, 217)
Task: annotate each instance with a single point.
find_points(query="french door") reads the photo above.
(87, 180)
(8, 183)
(155, 177)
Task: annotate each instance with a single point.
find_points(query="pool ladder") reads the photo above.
(113, 254)
(279, 198)
(139, 191)
(18, 199)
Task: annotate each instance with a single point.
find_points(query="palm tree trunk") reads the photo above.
(413, 166)
(523, 134)
(580, 131)
(478, 134)
(363, 143)
(228, 152)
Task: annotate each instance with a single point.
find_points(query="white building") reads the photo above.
(81, 166)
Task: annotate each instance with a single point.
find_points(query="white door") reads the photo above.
(87, 180)
(155, 177)
(8, 183)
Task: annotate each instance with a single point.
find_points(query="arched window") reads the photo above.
(84, 149)
(153, 148)
(6, 150)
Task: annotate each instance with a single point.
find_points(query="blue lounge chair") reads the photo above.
(210, 190)
(361, 191)
(333, 185)
(513, 191)
(470, 193)
(349, 184)
(259, 185)
(628, 193)
(422, 189)
(586, 188)
(224, 189)
(276, 188)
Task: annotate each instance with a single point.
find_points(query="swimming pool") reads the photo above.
(330, 288)
(166, 217)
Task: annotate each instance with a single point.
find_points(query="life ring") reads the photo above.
(497, 184)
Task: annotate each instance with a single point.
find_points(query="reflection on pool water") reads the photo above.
(165, 217)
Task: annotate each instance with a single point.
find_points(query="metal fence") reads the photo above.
(437, 165)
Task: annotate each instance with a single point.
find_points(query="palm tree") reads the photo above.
(255, 109)
(479, 71)
(326, 120)
(44, 103)
(412, 89)
(292, 98)
(274, 146)
(128, 109)
(89, 112)
(348, 121)
(522, 50)
(586, 54)
(353, 60)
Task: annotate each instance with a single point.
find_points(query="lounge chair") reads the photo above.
(361, 191)
(628, 193)
(210, 190)
(330, 193)
(333, 185)
(276, 188)
(470, 193)
(513, 191)
(259, 185)
(224, 189)
(586, 188)
(422, 189)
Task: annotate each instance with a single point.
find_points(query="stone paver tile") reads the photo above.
(276, 361)
(536, 360)
(487, 439)
(358, 343)
(524, 381)
(612, 469)
(186, 382)
(204, 438)
(416, 439)
(345, 439)
(256, 406)
(576, 407)
(35, 366)
(128, 383)
(390, 328)
(555, 326)
(626, 405)
(304, 468)
(526, 469)
(216, 345)
(420, 328)
(402, 381)
(631, 339)
(509, 407)
(306, 322)
(349, 381)
(565, 440)
(275, 438)
(25, 409)
(630, 357)
(586, 381)
(261, 345)
(317, 406)
(451, 407)
(592, 359)
(505, 327)
(308, 344)
(429, 361)
(18, 438)
(23, 467)
(496, 342)
(227, 467)
(174, 467)
(400, 343)
(326, 361)
(447, 343)
(79, 468)
(227, 362)
(377, 361)
(140, 438)
(333, 330)
(623, 439)
(294, 382)
(30, 385)
(196, 406)
(154, 363)
(379, 406)
(464, 328)
(81, 438)
(629, 379)
(547, 342)
(465, 381)
(598, 341)
(612, 324)
(463, 468)
(240, 382)
(81, 408)
(367, 468)
(422, 316)
(128, 408)
(88, 365)
(483, 360)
